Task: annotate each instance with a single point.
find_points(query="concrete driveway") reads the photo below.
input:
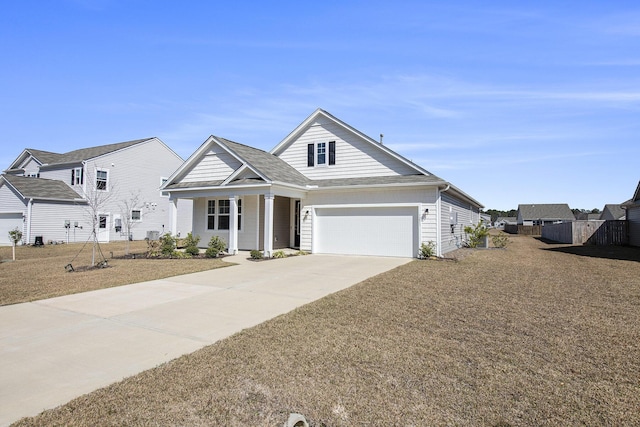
(54, 350)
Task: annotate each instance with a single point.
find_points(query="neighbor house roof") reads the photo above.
(48, 158)
(41, 188)
(559, 211)
(613, 210)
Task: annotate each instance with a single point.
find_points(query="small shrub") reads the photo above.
(500, 240)
(216, 245)
(182, 255)
(279, 254)
(256, 254)
(192, 250)
(302, 253)
(167, 245)
(476, 234)
(427, 250)
(190, 240)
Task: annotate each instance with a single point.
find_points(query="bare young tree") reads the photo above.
(131, 213)
(97, 191)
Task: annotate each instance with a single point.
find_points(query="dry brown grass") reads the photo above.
(39, 272)
(523, 336)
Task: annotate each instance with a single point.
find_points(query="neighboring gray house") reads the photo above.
(544, 214)
(633, 217)
(45, 194)
(613, 212)
(326, 188)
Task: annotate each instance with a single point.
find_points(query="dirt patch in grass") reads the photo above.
(39, 272)
(522, 336)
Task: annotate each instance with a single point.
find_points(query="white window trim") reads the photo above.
(326, 154)
(163, 179)
(216, 214)
(95, 179)
(78, 179)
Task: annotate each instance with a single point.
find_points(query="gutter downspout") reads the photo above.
(29, 208)
(439, 218)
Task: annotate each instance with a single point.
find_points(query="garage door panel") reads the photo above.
(382, 231)
(8, 222)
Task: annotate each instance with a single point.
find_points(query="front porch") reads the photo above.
(266, 222)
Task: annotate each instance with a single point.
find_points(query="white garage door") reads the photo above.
(382, 231)
(9, 221)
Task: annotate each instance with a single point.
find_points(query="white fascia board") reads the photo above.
(241, 169)
(372, 186)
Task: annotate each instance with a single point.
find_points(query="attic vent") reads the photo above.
(381, 136)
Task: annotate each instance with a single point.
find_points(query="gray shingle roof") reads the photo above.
(77, 156)
(377, 180)
(40, 188)
(616, 211)
(198, 184)
(269, 165)
(559, 211)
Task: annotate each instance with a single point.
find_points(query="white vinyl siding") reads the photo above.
(8, 222)
(354, 156)
(10, 201)
(48, 219)
(215, 165)
(463, 215)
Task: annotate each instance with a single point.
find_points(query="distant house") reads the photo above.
(325, 188)
(585, 216)
(46, 194)
(633, 217)
(544, 214)
(613, 212)
(501, 221)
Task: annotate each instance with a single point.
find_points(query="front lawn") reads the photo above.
(39, 272)
(516, 337)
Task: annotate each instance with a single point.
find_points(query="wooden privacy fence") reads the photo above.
(588, 232)
(526, 230)
(613, 232)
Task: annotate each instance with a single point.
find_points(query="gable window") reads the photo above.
(136, 215)
(77, 176)
(322, 153)
(317, 154)
(101, 180)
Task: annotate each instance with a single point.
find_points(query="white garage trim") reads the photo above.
(367, 229)
(8, 222)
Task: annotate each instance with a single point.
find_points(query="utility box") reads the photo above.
(153, 235)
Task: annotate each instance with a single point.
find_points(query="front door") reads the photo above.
(296, 225)
(103, 227)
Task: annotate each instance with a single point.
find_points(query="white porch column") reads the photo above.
(233, 225)
(268, 224)
(174, 216)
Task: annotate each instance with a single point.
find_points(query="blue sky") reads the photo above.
(513, 102)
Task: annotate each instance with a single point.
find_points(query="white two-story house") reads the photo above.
(326, 188)
(60, 197)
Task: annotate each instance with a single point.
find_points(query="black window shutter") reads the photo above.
(73, 176)
(332, 152)
(82, 176)
(310, 155)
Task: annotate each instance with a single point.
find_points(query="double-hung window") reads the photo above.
(101, 180)
(136, 215)
(219, 214)
(77, 176)
(321, 154)
(224, 208)
(211, 214)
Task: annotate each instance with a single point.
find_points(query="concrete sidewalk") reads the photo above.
(54, 350)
